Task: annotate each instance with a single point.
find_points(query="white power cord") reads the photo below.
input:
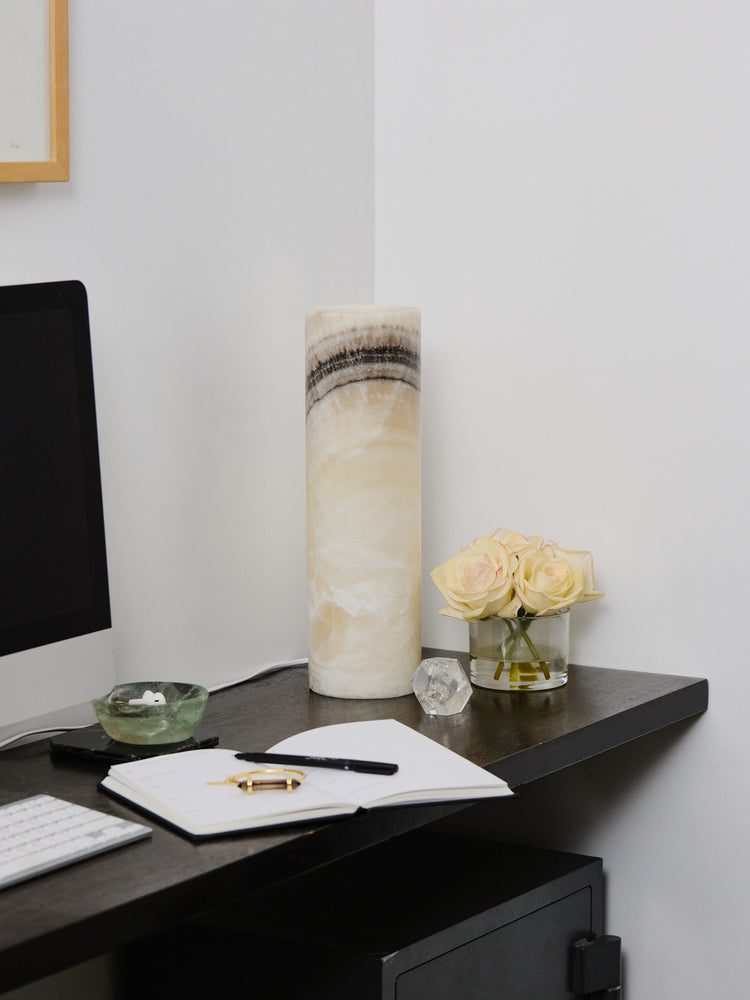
(38, 732)
(268, 668)
(255, 672)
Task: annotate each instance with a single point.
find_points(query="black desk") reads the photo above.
(95, 906)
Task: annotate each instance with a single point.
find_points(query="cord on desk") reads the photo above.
(267, 668)
(39, 732)
(256, 672)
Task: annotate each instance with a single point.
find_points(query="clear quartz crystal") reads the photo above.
(441, 686)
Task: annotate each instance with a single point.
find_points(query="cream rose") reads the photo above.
(516, 543)
(478, 582)
(583, 563)
(550, 579)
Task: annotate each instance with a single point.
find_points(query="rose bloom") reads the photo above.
(478, 582)
(551, 578)
(516, 543)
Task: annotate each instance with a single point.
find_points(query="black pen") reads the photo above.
(340, 763)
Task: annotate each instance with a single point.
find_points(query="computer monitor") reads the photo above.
(56, 646)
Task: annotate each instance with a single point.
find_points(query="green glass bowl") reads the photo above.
(149, 724)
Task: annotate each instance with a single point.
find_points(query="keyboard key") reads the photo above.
(41, 833)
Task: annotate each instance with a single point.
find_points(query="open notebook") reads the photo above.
(176, 787)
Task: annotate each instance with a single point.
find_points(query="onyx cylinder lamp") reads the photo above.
(363, 452)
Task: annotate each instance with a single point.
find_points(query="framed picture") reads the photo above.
(34, 124)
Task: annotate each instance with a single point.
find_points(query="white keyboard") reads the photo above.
(42, 832)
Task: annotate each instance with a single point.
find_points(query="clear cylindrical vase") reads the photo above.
(520, 654)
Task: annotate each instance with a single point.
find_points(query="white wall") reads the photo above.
(563, 189)
(221, 183)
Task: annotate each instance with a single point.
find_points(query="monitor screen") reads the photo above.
(53, 566)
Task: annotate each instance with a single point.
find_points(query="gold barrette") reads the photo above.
(253, 781)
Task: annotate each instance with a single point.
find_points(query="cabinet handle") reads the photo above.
(597, 968)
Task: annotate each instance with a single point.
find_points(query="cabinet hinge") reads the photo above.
(597, 968)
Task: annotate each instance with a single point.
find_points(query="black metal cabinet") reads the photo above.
(423, 917)
(526, 959)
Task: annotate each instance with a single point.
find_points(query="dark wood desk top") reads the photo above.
(92, 907)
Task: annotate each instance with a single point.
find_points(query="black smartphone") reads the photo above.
(94, 743)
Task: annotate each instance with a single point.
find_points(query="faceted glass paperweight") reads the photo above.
(441, 686)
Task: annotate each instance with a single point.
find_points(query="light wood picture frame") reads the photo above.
(34, 108)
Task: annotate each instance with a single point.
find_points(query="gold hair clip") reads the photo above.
(252, 781)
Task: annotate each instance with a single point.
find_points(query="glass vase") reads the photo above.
(520, 654)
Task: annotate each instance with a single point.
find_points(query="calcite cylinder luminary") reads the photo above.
(363, 451)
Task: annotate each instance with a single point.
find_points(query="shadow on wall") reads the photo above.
(577, 808)
(564, 811)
